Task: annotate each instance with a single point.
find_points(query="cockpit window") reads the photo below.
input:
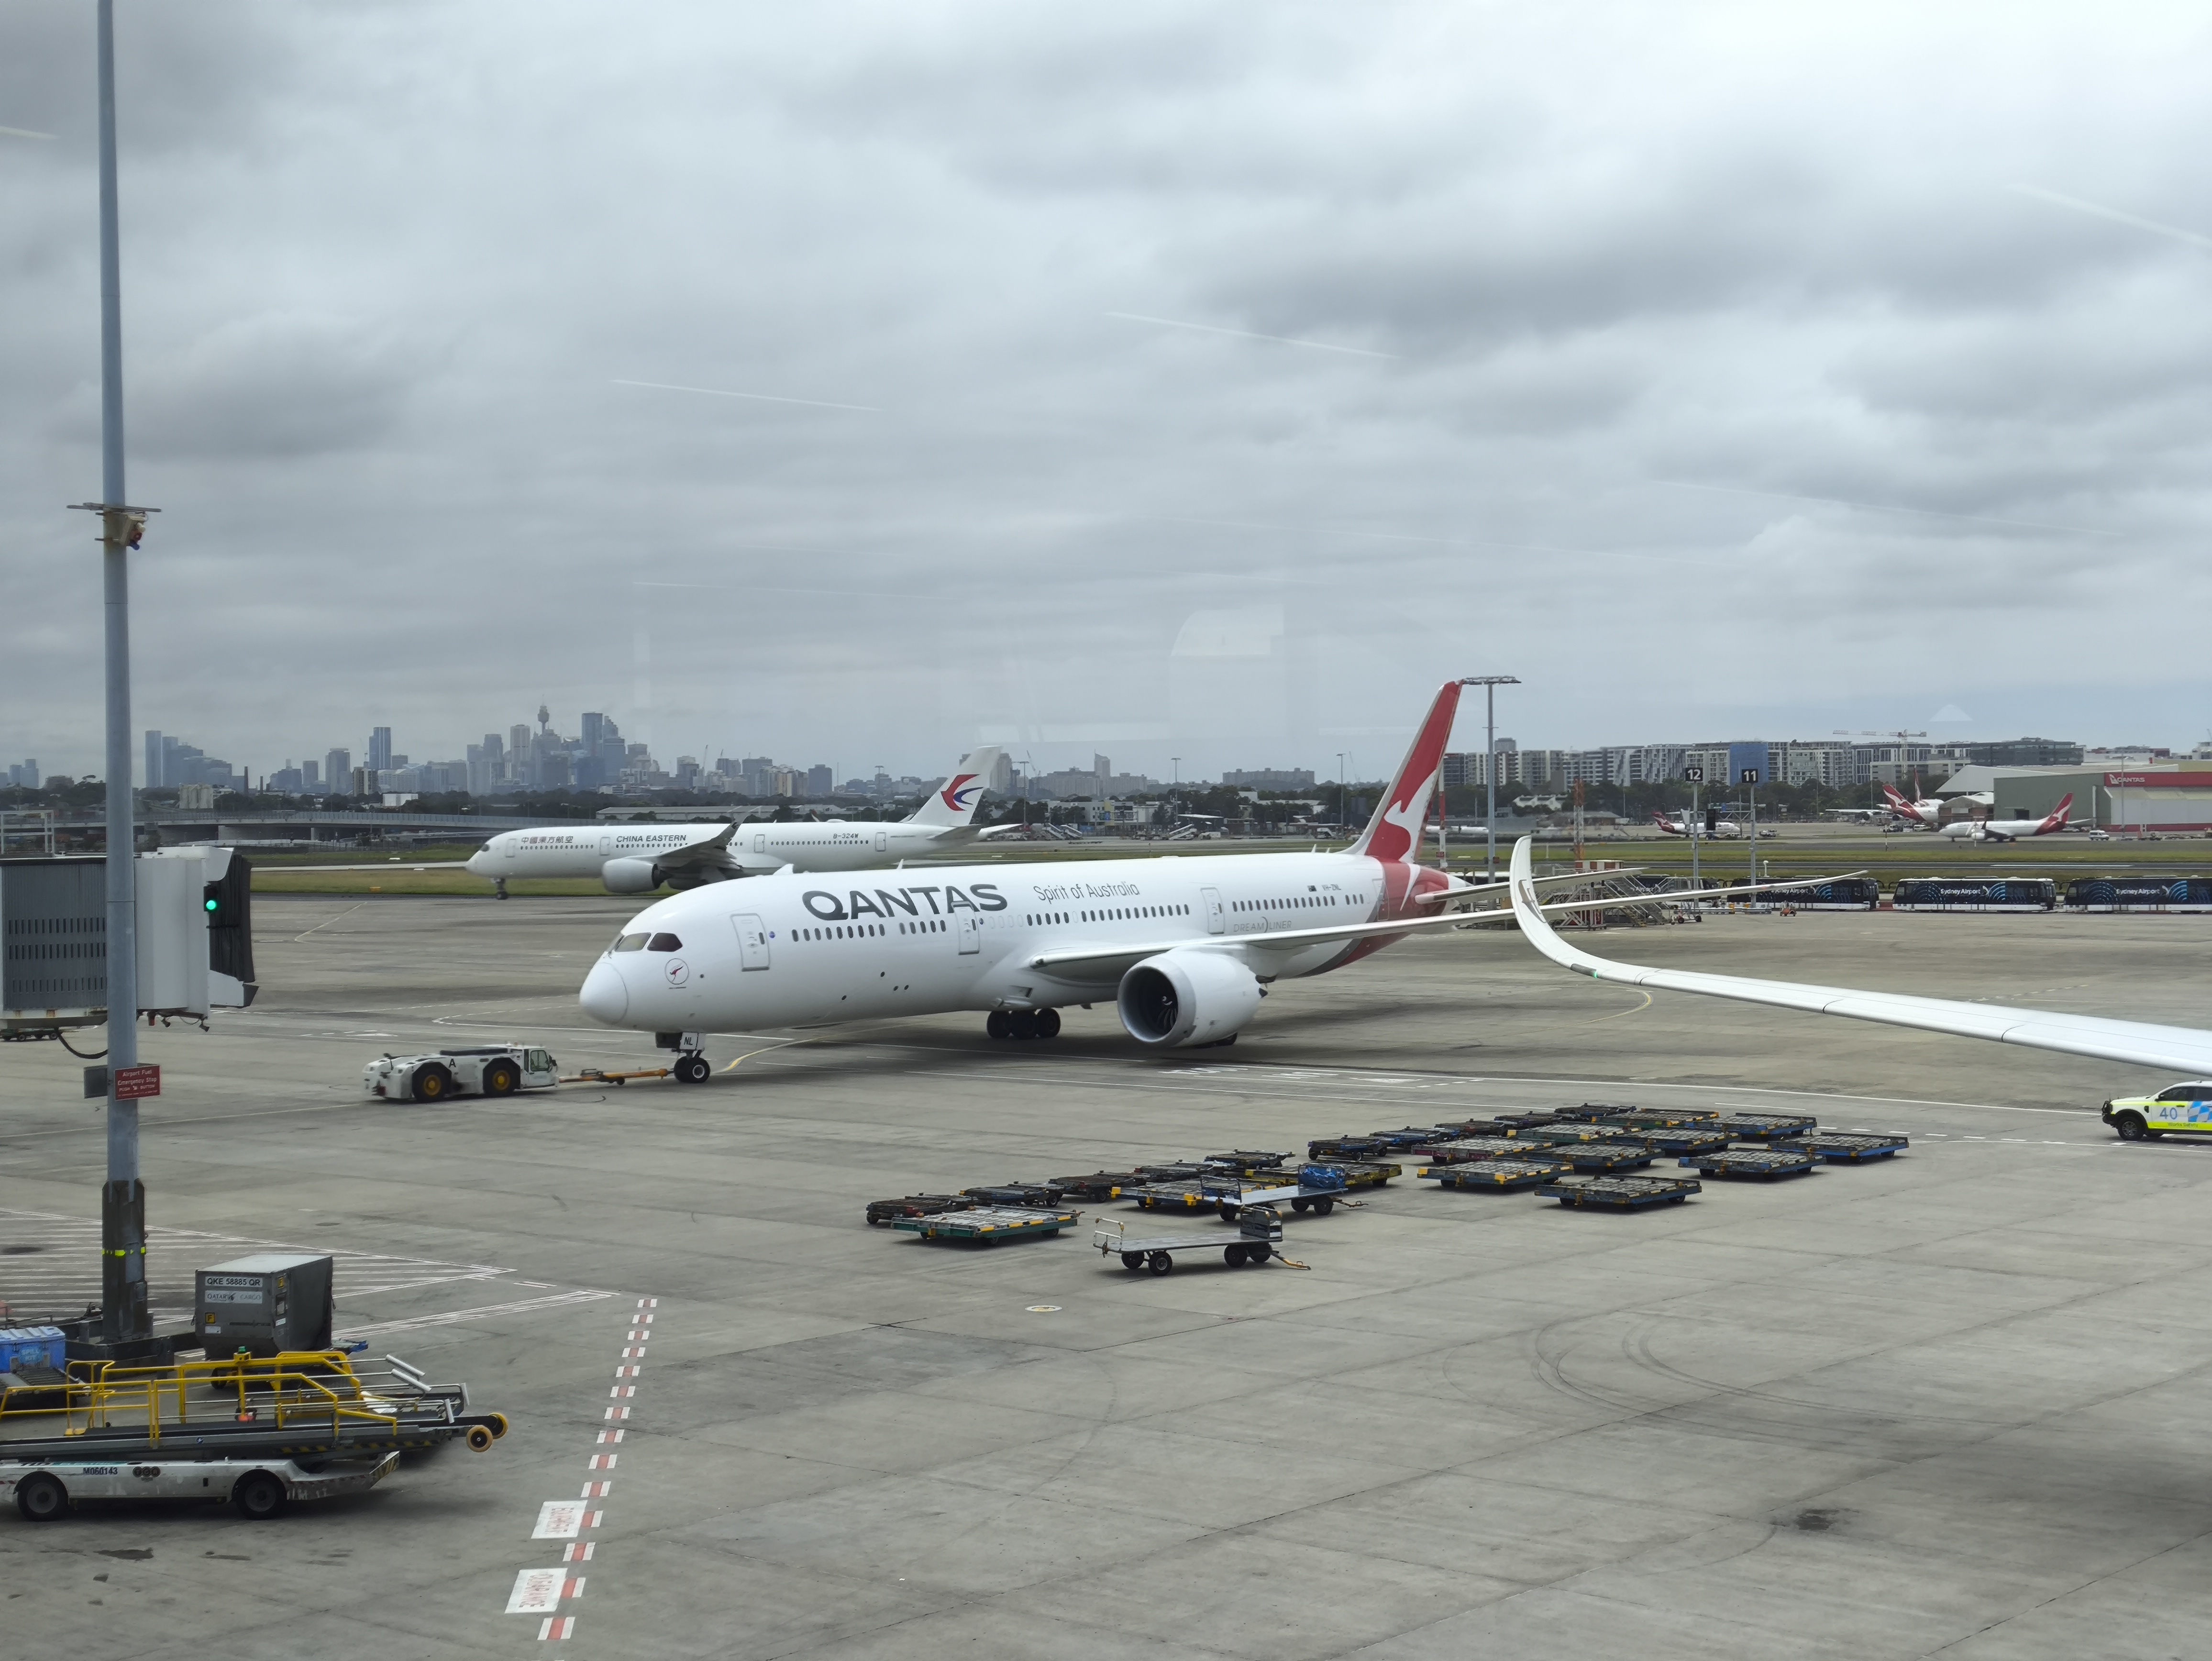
(664, 943)
(630, 943)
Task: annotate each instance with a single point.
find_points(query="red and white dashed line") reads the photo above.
(542, 1591)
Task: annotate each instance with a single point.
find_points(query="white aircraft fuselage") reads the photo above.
(793, 949)
(755, 849)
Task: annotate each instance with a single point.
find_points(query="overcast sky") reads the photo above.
(1705, 367)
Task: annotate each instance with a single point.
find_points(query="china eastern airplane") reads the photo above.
(1184, 946)
(2185, 1049)
(638, 858)
(1998, 830)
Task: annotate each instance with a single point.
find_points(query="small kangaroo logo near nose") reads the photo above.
(678, 972)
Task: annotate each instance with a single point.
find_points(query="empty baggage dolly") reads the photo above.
(1258, 1237)
(1754, 1163)
(986, 1225)
(1618, 1193)
(1846, 1146)
(1508, 1175)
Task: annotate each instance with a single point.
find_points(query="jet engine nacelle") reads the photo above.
(1187, 997)
(629, 876)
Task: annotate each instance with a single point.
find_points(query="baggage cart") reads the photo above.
(1690, 1138)
(1259, 1237)
(1247, 1162)
(1751, 1163)
(1462, 1149)
(917, 1204)
(1500, 1176)
(1346, 1147)
(1662, 1118)
(1023, 1196)
(1845, 1147)
(987, 1225)
(1603, 1156)
(1764, 1127)
(1099, 1186)
(1617, 1193)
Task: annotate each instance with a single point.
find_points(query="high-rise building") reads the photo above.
(380, 748)
(594, 721)
(310, 775)
(818, 782)
(153, 778)
(1103, 770)
(338, 768)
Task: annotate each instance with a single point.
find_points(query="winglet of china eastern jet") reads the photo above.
(2177, 1049)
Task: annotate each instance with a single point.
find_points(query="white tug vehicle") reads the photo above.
(496, 1069)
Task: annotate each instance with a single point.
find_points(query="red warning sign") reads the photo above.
(132, 1083)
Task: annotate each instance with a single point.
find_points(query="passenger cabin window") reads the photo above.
(630, 943)
(2181, 1092)
(664, 943)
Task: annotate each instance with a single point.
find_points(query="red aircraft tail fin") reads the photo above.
(1394, 834)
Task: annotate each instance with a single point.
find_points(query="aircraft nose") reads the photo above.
(606, 995)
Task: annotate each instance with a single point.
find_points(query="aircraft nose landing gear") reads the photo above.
(1017, 1024)
(499, 888)
(692, 1069)
(689, 1067)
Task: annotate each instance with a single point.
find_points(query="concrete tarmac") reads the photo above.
(1947, 1404)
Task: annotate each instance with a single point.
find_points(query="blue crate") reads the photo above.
(1321, 1177)
(35, 1347)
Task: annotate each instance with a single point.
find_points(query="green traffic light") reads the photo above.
(214, 905)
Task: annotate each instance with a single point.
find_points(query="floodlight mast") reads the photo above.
(1489, 684)
(122, 1306)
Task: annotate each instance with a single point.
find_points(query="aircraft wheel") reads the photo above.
(1048, 1023)
(999, 1024)
(1022, 1024)
(692, 1069)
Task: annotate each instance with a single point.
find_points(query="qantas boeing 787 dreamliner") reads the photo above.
(1186, 947)
(636, 858)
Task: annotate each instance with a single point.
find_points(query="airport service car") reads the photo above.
(2186, 1106)
(496, 1069)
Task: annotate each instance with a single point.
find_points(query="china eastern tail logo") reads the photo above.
(960, 791)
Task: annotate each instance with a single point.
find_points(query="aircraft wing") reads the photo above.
(1290, 940)
(2182, 1049)
(713, 850)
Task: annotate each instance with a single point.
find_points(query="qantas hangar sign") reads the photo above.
(889, 902)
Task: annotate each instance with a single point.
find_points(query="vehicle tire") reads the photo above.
(1021, 1024)
(692, 1069)
(2130, 1127)
(1048, 1023)
(479, 1437)
(1233, 1256)
(432, 1083)
(1300, 1205)
(998, 1025)
(259, 1495)
(496, 1422)
(501, 1079)
(41, 1499)
(1255, 1257)
(1323, 1206)
(1133, 1260)
(1228, 1209)
(1159, 1262)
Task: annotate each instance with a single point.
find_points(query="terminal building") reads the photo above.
(2169, 796)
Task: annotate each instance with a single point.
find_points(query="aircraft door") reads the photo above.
(507, 850)
(1215, 921)
(760, 841)
(971, 934)
(882, 842)
(752, 942)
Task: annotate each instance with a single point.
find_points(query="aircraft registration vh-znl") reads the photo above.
(1185, 946)
(636, 858)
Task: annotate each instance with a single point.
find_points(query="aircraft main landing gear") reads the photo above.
(1019, 1023)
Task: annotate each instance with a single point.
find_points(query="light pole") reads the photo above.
(1749, 779)
(1695, 824)
(1339, 793)
(1489, 684)
(123, 1312)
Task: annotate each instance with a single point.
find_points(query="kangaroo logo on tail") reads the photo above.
(1393, 835)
